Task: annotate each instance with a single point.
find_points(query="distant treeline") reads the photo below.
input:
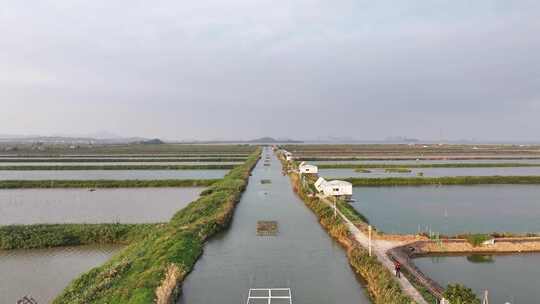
(120, 167)
(23, 184)
(54, 235)
(451, 180)
(412, 165)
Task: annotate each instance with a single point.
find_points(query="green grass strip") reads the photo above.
(121, 167)
(27, 184)
(116, 160)
(133, 275)
(54, 235)
(450, 180)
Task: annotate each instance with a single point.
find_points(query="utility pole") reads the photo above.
(369, 240)
(335, 206)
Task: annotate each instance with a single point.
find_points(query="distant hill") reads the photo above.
(154, 141)
(268, 140)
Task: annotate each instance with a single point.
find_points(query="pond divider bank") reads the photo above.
(123, 160)
(381, 283)
(120, 167)
(151, 270)
(56, 235)
(101, 183)
(455, 180)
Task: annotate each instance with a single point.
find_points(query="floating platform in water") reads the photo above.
(269, 296)
(267, 228)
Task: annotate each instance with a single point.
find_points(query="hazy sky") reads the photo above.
(246, 68)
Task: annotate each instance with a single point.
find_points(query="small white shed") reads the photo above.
(307, 169)
(319, 184)
(334, 188)
(288, 155)
(337, 188)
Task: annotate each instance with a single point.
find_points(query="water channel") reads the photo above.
(301, 257)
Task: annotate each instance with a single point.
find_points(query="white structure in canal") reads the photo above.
(307, 169)
(334, 188)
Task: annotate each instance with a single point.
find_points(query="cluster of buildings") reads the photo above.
(336, 188)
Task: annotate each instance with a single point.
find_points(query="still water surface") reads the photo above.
(509, 278)
(110, 174)
(411, 162)
(302, 256)
(451, 209)
(44, 273)
(433, 172)
(129, 205)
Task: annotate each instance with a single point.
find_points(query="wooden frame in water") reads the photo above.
(267, 228)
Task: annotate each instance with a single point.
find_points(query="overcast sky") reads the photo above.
(223, 69)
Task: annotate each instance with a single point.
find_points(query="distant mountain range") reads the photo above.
(32, 139)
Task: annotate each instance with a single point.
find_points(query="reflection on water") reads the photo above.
(44, 273)
(451, 209)
(302, 256)
(509, 278)
(129, 205)
(110, 174)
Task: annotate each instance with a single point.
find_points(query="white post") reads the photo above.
(369, 239)
(335, 206)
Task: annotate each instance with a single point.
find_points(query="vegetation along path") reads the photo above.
(380, 248)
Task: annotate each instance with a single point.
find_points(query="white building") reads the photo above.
(307, 169)
(288, 155)
(334, 188)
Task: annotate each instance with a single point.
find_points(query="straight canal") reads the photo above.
(301, 256)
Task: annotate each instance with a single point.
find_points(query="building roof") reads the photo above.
(338, 183)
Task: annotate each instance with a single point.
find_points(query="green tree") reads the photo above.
(459, 294)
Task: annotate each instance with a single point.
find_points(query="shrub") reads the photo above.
(459, 294)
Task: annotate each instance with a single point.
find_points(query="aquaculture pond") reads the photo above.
(508, 278)
(130, 205)
(451, 209)
(432, 172)
(417, 162)
(43, 273)
(110, 174)
(301, 256)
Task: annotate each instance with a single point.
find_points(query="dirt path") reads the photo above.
(379, 248)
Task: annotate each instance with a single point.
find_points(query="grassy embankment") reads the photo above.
(380, 283)
(118, 160)
(54, 235)
(152, 269)
(120, 167)
(450, 180)
(413, 165)
(27, 184)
